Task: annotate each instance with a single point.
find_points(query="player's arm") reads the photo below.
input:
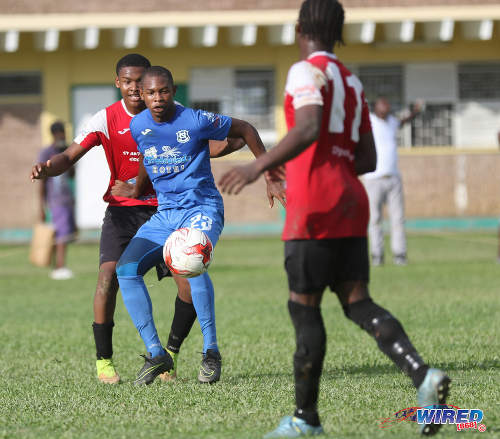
(365, 155)
(303, 134)
(59, 163)
(414, 111)
(220, 148)
(128, 190)
(247, 132)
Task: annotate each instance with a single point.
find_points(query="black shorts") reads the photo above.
(313, 265)
(119, 226)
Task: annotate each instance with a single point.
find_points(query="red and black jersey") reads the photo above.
(110, 128)
(325, 198)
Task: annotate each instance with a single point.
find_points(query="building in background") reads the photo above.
(232, 56)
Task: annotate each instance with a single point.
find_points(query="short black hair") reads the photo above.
(322, 20)
(57, 127)
(132, 60)
(158, 71)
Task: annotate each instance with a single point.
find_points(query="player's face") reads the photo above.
(158, 94)
(128, 81)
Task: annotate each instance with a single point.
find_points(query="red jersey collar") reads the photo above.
(322, 53)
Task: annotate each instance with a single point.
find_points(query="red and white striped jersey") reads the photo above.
(110, 128)
(325, 198)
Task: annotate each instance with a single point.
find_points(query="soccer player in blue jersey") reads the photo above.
(173, 142)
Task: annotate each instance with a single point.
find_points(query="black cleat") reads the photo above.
(154, 367)
(210, 367)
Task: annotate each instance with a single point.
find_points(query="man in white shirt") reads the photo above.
(384, 184)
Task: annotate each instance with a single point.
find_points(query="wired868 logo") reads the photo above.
(463, 419)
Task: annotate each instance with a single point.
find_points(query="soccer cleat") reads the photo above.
(106, 372)
(433, 391)
(172, 374)
(291, 426)
(154, 367)
(210, 367)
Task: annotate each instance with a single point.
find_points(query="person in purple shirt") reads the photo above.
(56, 196)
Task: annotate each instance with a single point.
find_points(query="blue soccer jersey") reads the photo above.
(177, 155)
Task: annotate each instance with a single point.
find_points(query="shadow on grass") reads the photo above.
(370, 370)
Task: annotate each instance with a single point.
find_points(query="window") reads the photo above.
(254, 97)
(20, 83)
(433, 127)
(479, 81)
(383, 81)
(212, 106)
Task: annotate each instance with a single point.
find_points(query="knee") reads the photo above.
(374, 319)
(107, 283)
(126, 269)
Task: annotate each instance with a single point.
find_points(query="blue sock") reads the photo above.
(202, 292)
(138, 303)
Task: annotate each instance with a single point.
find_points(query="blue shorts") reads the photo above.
(146, 248)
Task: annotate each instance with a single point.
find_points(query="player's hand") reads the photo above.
(122, 189)
(233, 181)
(418, 106)
(276, 189)
(39, 171)
(276, 174)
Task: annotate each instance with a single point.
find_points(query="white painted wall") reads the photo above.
(478, 124)
(92, 172)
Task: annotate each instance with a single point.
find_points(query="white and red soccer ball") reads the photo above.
(188, 252)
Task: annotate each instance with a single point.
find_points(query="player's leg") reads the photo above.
(210, 220)
(111, 246)
(104, 309)
(145, 251)
(376, 196)
(182, 322)
(119, 226)
(139, 256)
(352, 290)
(395, 204)
(307, 265)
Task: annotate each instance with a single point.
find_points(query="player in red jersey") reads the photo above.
(329, 143)
(124, 215)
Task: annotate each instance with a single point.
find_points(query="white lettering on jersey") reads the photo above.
(151, 153)
(201, 222)
(124, 131)
(146, 132)
(337, 113)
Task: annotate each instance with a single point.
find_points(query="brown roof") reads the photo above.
(65, 6)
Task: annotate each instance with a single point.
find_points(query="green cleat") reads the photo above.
(433, 392)
(106, 372)
(291, 426)
(172, 374)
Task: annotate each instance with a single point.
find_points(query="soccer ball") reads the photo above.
(188, 252)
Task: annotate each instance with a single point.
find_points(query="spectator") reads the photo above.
(384, 184)
(56, 195)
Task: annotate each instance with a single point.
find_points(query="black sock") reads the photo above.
(103, 336)
(390, 336)
(308, 359)
(184, 317)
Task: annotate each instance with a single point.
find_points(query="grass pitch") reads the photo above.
(447, 299)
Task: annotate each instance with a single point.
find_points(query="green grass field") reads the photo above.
(447, 299)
